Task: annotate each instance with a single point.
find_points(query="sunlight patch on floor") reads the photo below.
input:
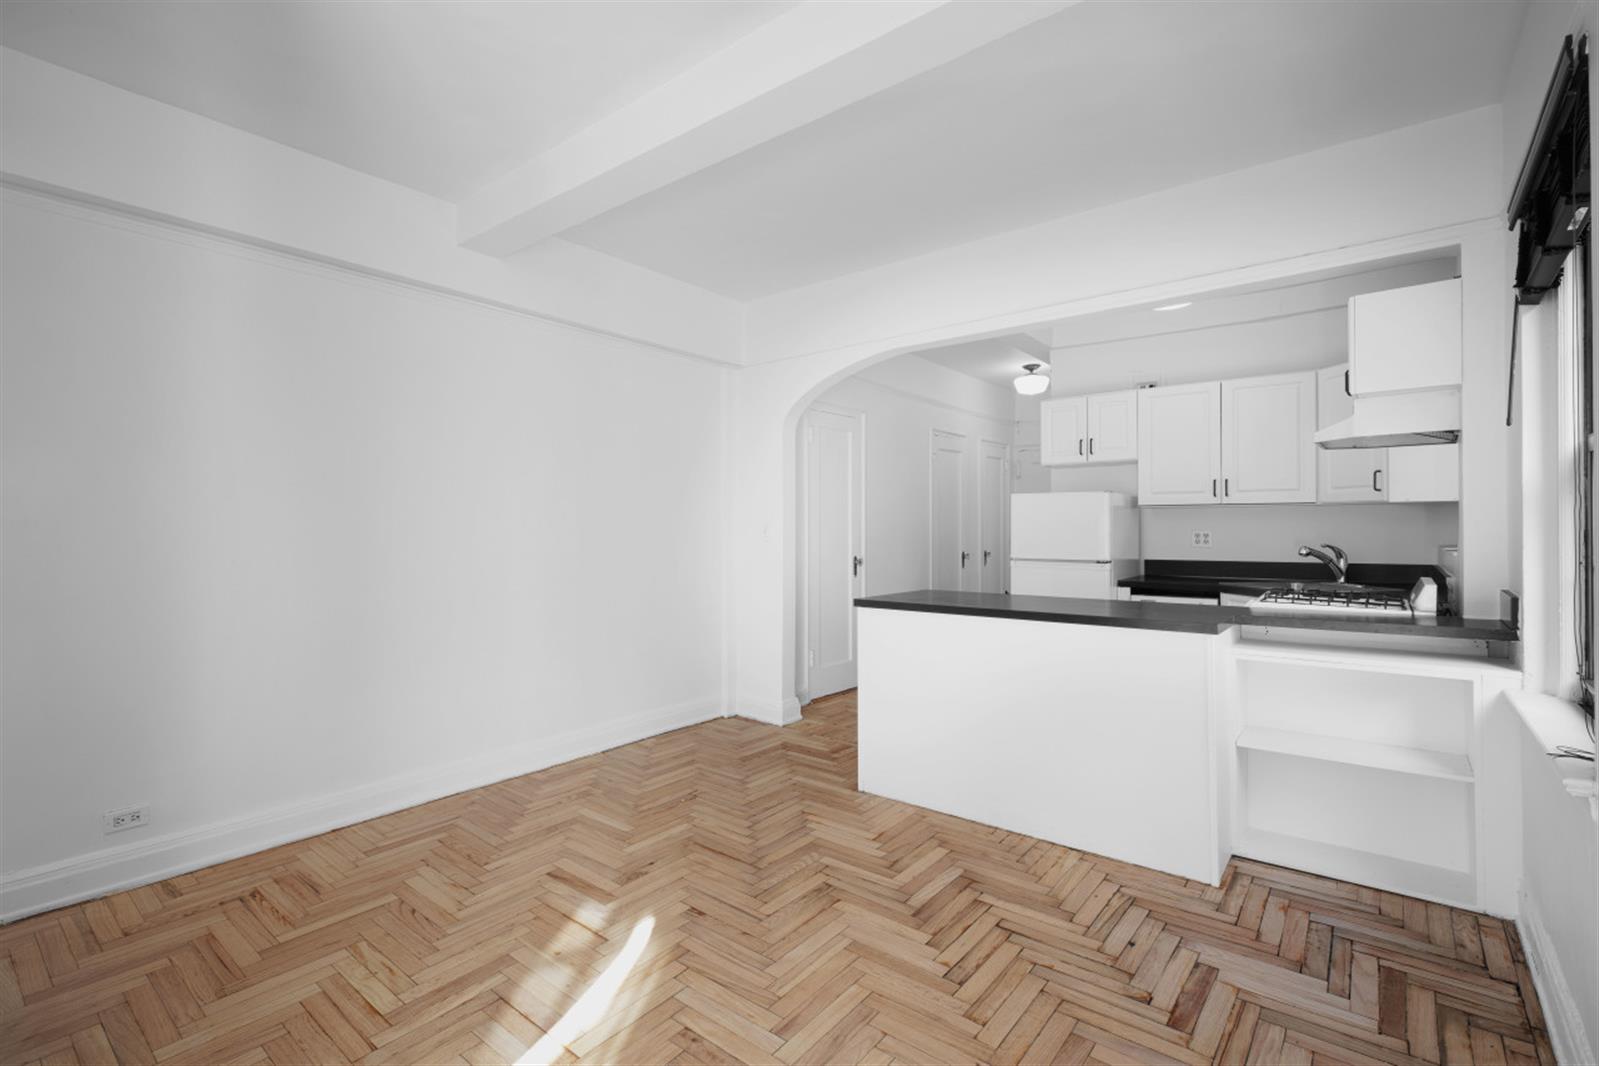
(591, 1006)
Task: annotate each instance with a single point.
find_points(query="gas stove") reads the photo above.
(1330, 600)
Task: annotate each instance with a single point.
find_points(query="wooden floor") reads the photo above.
(736, 899)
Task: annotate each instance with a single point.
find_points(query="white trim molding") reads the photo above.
(57, 884)
(22, 191)
(1564, 1019)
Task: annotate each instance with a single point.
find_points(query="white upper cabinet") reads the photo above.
(1426, 474)
(1102, 428)
(1402, 340)
(1063, 431)
(1268, 455)
(1345, 475)
(1113, 427)
(1179, 444)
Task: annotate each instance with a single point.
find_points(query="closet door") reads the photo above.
(993, 500)
(947, 552)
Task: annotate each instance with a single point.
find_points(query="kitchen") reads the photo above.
(1258, 491)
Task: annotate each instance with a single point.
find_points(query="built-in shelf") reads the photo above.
(1457, 888)
(1415, 663)
(1419, 761)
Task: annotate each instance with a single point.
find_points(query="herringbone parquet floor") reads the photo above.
(723, 893)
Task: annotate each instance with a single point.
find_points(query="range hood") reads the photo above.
(1397, 421)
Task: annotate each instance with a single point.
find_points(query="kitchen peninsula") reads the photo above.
(1176, 735)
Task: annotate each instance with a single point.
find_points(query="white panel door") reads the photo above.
(834, 546)
(1345, 475)
(947, 554)
(1428, 473)
(993, 494)
(1063, 431)
(1113, 427)
(1268, 453)
(1088, 581)
(1179, 444)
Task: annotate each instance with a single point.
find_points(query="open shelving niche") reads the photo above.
(1364, 765)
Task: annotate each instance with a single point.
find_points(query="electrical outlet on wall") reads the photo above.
(126, 818)
(1201, 538)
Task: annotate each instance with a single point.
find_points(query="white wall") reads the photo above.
(285, 546)
(64, 131)
(1300, 328)
(904, 401)
(1560, 901)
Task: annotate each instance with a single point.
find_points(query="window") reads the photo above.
(1549, 209)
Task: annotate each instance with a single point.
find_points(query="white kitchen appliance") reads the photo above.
(1075, 544)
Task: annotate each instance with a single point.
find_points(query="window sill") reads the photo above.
(1552, 722)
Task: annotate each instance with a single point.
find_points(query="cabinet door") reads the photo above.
(1345, 475)
(1424, 474)
(1268, 454)
(1113, 427)
(1405, 339)
(1179, 444)
(1063, 431)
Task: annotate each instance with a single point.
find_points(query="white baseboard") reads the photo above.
(774, 712)
(1570, 1037)
(56, 884)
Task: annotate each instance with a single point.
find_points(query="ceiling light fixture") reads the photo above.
(1032, 383)
(1176, 307)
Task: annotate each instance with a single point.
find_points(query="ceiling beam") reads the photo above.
(810, 61)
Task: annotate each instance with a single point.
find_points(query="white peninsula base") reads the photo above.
(1097, 737)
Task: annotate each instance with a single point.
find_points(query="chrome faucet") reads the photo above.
(1334, 557)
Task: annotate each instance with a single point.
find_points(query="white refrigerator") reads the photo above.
(1072, 543)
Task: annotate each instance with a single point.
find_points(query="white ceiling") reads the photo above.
(1102, 102)
(995, 360)
(998, 360)
(1106, 100)
(438, 95)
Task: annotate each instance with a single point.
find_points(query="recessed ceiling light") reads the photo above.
(1176, 307)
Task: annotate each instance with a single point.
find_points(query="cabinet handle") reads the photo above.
(855, 566)
(986, 554)
(1079, 446)
(1374, 486)
(1226, 486)
(1090, 445)
(1346, 384)
(1213, 488)
(964, 557)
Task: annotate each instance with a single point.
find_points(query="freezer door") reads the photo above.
(1089, 581)
(1061, 525)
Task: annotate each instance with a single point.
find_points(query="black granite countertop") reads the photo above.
(1173, 617)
